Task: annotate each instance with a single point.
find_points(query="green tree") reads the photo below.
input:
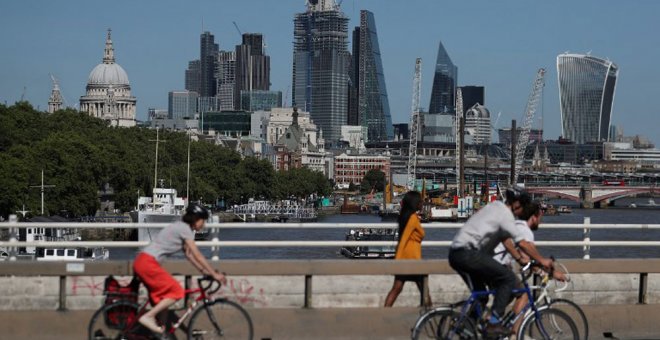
(373, 179)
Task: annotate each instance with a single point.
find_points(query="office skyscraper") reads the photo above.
(193, 76)
(252, 66)
(321, 65)
(182, 104)
(208, 61)
(443, 92)
(472, 95)
(586, 95)
(226, 79)
(372, 105)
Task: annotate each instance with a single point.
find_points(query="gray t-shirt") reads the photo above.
(502, 255)
(169, 240)
(487, 228)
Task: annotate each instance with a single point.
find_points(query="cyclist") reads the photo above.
(507, 251)
(163, 289)
(472, 250)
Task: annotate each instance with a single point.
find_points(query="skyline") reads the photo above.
(499, 46)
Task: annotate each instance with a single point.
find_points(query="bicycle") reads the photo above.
(567, 306)
(539, 322)
(210, 318)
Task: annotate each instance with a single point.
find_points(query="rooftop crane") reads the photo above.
(523, 140)
(414, 124)
(459, 142)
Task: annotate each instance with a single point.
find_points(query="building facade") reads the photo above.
(443, 92)
(252, 67)
(321, 65)
(256, 100)
(55, 100)
(477, 124)
(208, 64)
(192, 76)
(586, 94)
(227, 123)
(226, 79)
(182, 104)
(109, 92)
(372, 103)
(472, 95)
(352, 168)
(296, 148)
(281, 118)
(438, 127)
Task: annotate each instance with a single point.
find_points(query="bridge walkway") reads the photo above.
(624, 321)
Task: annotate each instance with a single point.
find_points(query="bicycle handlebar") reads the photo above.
(207, 287)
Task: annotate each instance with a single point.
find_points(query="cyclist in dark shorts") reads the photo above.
(472, 250)
(409, 247)
(163, 289)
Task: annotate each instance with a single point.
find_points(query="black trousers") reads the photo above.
(480, 272)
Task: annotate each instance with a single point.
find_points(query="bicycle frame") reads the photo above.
(474, 302)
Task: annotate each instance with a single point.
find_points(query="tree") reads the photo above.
(373, 179)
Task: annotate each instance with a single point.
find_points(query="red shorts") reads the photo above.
(161, 284)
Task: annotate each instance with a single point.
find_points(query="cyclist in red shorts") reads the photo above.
(164, 290)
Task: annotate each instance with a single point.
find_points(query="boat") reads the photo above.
(562, 209)
(370, 234)
(41, 234)
(163, 207)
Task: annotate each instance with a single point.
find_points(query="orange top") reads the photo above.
(410, 243)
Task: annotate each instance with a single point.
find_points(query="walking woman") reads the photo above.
(409, 247)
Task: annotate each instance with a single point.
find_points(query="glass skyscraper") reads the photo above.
(182, 104)
(321, 65)
(373, 106)
(443, 92)
(586, 95)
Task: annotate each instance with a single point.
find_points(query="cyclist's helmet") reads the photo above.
(197, 211)
(516, 193)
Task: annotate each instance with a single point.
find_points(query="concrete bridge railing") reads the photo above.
(313, 283)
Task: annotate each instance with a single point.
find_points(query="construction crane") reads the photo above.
(414, 124)
(523, 140)
(459, 142)
(238, 29)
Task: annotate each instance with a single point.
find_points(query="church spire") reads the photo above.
(109, 55)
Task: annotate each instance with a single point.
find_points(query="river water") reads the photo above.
(619, 214)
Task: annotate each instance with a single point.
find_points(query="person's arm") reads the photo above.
(530, 249)
(199, 261)
(520, 257)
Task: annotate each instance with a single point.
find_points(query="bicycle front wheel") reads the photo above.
(113, 321)
(548, 324)
(444, 324)
(575, 312)
(220, 319)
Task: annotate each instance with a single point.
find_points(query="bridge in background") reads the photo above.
(589, 196)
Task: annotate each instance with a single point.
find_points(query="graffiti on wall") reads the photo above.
(239, 290)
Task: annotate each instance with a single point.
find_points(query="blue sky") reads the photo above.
(497, 44)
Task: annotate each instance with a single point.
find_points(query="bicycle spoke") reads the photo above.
(220, 319)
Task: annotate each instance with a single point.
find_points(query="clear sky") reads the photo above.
(497, 44)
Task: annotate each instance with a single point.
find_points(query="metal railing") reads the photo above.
(215, 243)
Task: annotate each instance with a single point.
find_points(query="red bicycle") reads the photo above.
(210, 318)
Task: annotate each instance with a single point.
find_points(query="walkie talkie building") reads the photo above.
(586, 94)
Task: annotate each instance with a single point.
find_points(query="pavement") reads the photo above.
(623, 321)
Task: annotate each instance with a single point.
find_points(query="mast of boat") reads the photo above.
(156, 168)
(43, 187)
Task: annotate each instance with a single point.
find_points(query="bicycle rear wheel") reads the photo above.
(220, 319)
(551, 324)
(113, 321)
(574, 312)
(444, 324)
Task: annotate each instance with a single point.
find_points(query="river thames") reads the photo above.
(619, 214)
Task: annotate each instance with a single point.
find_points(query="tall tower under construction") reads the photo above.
(321, 66)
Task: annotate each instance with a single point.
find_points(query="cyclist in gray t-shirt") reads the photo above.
(472, 250)
(163, 289)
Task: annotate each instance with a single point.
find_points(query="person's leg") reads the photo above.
(148, 319)
(394, 292)
(423, 294)
(500, 278)
(518, 306)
